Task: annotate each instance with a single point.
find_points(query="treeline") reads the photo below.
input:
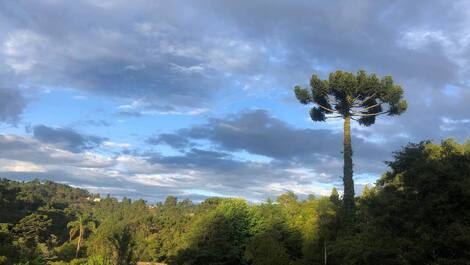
(417, 213)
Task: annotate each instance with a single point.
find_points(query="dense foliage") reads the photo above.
(417, 213)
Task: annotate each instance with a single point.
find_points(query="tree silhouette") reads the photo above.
(80, 225)
(361, 97)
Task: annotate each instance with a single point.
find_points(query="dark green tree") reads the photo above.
(265, 249)
(32, 231)
(361, 97)
(123, 243)
(171, 201)
(218, 237)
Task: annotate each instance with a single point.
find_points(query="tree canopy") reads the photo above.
(362, 96)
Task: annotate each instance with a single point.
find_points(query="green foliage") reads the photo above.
(417, 213)
(265, 249)
(80, 226)
(361, 95)
(7, 250)
(114, 239)
(32, 232)
(218, 237)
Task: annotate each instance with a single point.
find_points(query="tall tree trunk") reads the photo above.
(80, 236)
(348, 196)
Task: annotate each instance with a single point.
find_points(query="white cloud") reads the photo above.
(302, 189)
(19, 166)
(162, 180)
(111, 144)
(420, 38)
(22, 50)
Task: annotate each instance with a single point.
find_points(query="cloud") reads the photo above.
(30, 150)
(165, 59)
(12, 104)
(141, 107)
(259, 133)
(173, 140)
(253, 148)
(214, 57)
(195, 174)
(65, 138)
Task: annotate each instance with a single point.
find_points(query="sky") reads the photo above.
(151, 98)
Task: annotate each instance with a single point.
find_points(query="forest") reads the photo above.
(416, 213)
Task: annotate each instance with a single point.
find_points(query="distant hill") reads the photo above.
(18, 199)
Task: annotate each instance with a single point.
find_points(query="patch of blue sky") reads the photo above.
(69, 108)
(274, 102)
(61, 108)
(451, 91)
(17, 129)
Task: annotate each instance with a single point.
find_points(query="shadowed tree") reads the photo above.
(123, 242)
(361, 97)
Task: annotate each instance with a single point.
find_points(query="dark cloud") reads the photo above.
(257, 132)
(167, 59)
(223, 173)
(173, 140)
(117, 56)
(179, 57)
(65, 138)
(288, 154)
(12, 104)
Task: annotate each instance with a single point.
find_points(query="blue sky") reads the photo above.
(147, 99)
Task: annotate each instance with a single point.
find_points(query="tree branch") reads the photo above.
(325, 108)
(332, 101)
(359, 103)
(369, 114)
(356, 98)
(373, 106)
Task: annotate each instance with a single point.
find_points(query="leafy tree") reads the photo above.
(167, 228)
(218, 237)
(276, 230)
(7, 250)
(171, 201)
(265, 249)
(114, 240)
(82, 224)
(31, 231)
(334, 197)
(123, 243)
(360, 97)
(418, 211)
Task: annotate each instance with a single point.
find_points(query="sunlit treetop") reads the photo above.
(362, 97)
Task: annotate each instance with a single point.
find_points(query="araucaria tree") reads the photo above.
(361, 97)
